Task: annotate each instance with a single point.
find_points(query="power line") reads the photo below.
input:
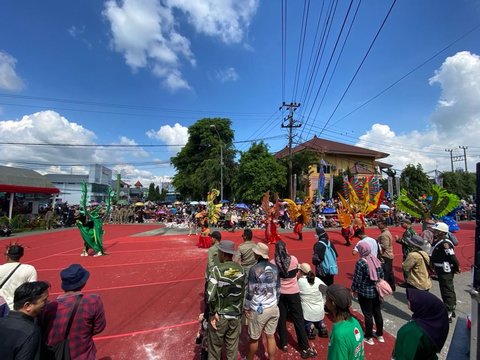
(361, 64)
(408, 74)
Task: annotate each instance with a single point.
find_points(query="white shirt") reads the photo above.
(371, 242)
(312, 299)
(25, 273)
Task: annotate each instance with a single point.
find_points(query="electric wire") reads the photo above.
(360, 65)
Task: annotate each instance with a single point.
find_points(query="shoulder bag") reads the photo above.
(61, 350)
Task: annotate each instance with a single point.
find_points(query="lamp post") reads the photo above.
(221, 162)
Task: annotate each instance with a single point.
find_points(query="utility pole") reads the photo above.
(451, 156)
(290, 124)
(464, 155)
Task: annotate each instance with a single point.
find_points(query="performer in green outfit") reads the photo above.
(346, 338)
(424, 336)
(91, 225)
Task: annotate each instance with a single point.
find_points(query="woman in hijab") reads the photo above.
(368, 270)
(290, 302)
(424, 336)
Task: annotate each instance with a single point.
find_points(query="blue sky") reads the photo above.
(140, 72)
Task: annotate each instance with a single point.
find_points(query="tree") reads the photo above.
(151, 192)
(462, 184)
(415, 180)
(198, 163)
(301, 163)
(258, 172)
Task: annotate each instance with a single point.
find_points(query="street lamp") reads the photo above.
(221, 162)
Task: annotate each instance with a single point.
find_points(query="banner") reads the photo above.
(397, 184)
(390, 185)
(331, 186)
(321, 182)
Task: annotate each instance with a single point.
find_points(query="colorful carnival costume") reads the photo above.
(438, 204)
(363, 197)
(91, 225)
(210, 215)
(271, 215)
(301, 213)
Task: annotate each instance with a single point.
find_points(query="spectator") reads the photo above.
(290, 303)
(318, 258)
(13, 273)
(346, 338)
(312, 302)
(245, 255)
(426, 333)
(261, 304)
(372, 243)
(20, 334)
(226, 291)
(406, 224)
(385, 242)
(89, 319)
(368, 270)
(416, 265)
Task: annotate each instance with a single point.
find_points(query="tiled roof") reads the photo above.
(331, 147)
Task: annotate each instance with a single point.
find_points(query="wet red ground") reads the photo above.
(152, 286)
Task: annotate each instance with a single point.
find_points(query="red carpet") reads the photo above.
(152, 286)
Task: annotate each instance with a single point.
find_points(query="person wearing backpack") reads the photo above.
(324, 257)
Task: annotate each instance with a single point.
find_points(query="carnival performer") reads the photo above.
(271, 215)
(204, 240)
(91, 225)
(301, 213)
(362, 198)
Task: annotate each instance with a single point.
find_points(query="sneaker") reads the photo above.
(98, 254)
(309, 353)
(84, 253)
(379, 338)
(369, 341)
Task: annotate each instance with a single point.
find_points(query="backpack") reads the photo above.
(329, 264)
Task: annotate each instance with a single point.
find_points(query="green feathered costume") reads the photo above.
(91, 228)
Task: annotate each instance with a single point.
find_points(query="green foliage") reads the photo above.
(258, 172)
(198, 163)
(4, 220)
(415, 180)
(337, 186)
(462, 184)
(19, 222)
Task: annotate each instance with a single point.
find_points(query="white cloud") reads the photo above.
(225, 75)
(9, 80)
(455, 121)
(50, 127)
(176, 135)
(227, 20)
(146, 31)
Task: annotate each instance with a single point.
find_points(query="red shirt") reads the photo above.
(89, 320)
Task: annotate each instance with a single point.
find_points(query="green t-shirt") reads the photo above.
(346, 341)
(413, 344)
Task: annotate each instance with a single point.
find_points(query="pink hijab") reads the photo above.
(372, 262)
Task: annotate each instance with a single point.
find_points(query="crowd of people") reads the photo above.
(248, 289)
(248, 286)
(32, 328)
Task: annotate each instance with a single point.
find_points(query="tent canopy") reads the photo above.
(25, 181)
